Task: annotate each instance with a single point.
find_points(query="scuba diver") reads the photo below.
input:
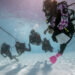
(35, 38)
(46, 45)
(60, 22)
(21, 48)
(5, 51)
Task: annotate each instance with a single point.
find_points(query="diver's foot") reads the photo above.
(53, 59)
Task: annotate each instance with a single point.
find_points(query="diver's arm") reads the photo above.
(49, 29)
(45, 31)
(29, 48)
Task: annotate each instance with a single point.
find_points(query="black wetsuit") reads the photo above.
(70, 34)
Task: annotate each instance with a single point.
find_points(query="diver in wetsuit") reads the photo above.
(5, 51)
(61, 22)
(46, 46)
(35, 38)
(21, 48)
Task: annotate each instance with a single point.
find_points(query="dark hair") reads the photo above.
(50, 6)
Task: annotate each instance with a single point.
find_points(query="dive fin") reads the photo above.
(53, 59)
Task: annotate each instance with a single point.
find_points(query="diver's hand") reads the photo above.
(45, 32)
(29, 44)
(29, 47)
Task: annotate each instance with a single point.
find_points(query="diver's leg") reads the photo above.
(8, 53)
(62, 48)
(11, 56)
(54, 36)
(53, 59)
